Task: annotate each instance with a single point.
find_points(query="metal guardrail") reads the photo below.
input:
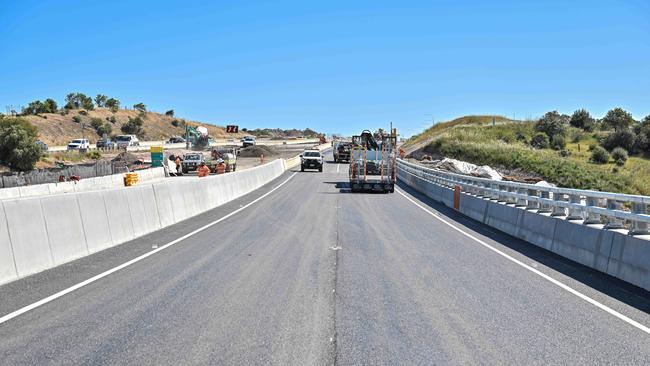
(589, 207)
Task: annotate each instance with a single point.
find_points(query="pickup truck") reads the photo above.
(311, 159)
(248, 141)
(124, 141)
(191, 162)
(79, 144)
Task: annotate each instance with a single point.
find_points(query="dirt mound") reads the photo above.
(257, 151)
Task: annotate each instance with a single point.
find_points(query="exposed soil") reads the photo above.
(257, 151)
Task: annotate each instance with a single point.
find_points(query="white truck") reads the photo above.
(311, 159)
(79, 144)
(124, 141)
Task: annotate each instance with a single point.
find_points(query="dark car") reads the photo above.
(176, 140)
(105, 143)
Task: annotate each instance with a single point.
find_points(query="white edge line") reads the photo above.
(577, 293)
(132, 261)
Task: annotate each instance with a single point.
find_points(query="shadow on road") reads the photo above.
(629, 294)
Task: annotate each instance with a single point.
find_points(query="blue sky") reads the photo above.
(335, 66)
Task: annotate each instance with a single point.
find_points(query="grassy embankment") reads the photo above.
(475, 140)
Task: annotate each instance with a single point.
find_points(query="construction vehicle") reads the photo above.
(227, 155)
(341, 151)
(197, 138)
(373, 162)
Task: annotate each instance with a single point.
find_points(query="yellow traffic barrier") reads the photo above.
(130, 179)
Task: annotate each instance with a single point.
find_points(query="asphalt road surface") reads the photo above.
(314, 275)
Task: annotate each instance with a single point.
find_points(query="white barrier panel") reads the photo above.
(165, 202)
(7, 265)
(95, 220)
(9, 193)
(119, 215)
(35, 190)
(28, 235)
(87, 184)
(65, 229)
(137, 211)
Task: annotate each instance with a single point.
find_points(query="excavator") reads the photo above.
(197, 138)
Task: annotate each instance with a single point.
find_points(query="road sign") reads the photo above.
(232, 129)
(156, 156)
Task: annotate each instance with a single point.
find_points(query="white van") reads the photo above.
(124, 141)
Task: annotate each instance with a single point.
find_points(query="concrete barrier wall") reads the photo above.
(37, 233)
(609, 251)
(87, 184)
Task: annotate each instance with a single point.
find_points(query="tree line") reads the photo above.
(77, 101)
(620, 134)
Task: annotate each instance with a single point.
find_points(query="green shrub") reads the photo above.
(565, 153)
(540, 141)
(582, 119)
(620, 156)
(620, 138)
(96, 123)
(96, 155)
(76, 119)
(599, 155)
(175, 123)
(18, 148)
(618, 119)
(558, 142)
(552, 123)
(521, 137)
(83, 112)
(133, 126)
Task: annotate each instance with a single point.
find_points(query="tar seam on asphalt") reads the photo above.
(336, 270)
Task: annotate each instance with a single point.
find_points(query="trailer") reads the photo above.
(373, 162)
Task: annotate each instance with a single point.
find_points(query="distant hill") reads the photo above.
(56, 129)
(278, 133)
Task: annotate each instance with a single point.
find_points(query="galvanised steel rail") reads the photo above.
(582, 206)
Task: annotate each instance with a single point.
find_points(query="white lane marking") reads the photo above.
(132, 261)
(577, 293)
(337, 167)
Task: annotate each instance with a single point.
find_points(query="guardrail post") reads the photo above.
(545, 207)
(558, 210)
(613, 222)
(494, 193)
(637, 227)
(502, 197)
(521, 202)
(592, 217)
(575, 213)
(509, 199)
(532, 205)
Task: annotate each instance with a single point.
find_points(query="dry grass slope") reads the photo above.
(55, 129)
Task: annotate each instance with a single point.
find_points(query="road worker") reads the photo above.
(203, 170)
(221, 167)
(179, 167)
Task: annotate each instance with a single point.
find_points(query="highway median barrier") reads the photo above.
(40, 232)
